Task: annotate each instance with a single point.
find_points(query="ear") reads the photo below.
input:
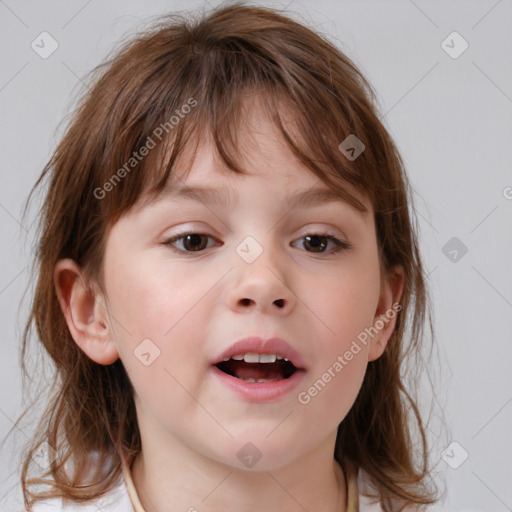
(386, 313)
(84, 312)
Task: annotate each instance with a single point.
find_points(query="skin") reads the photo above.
(192, 307)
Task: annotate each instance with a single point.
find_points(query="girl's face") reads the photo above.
(175, 307)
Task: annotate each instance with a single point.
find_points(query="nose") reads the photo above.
(262, 285)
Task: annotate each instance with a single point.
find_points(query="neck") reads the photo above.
(163, 487)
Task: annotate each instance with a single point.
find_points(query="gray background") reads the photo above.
(451, 119)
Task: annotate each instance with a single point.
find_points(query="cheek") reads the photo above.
(148, 299)
(346, 311)
(334, 383)
(157, 314)
(346, 305)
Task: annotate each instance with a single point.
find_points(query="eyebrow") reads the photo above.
(224, 197)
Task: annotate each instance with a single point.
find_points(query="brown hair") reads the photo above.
(210, 63)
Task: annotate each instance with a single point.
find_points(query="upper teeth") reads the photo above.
(252, 357)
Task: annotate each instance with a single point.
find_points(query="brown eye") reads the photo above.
(194, 242)
(316, 243)
(191, 242)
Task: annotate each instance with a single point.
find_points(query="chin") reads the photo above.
(255, 453)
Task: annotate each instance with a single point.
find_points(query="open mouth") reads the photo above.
(258, 367)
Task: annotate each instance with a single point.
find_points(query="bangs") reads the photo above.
(217, 86)
(229, 135)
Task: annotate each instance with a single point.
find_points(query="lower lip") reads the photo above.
(260, 391)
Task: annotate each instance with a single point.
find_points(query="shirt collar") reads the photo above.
(126, 463)
(349, 469)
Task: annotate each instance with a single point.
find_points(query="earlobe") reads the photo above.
(84, 313)
(387, 311)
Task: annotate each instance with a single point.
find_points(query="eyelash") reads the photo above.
(339, 245)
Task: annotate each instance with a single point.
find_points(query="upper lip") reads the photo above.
(257, 345)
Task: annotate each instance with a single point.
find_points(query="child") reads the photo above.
(262, 368)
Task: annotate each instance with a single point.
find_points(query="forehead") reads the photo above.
(290, 186)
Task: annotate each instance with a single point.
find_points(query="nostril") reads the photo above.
(278, 302)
